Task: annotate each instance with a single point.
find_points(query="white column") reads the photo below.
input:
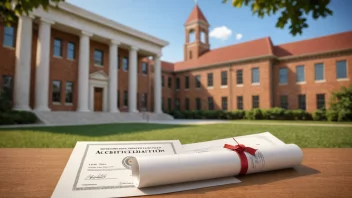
(132, 80)
(113, 77)
(157, 85)
(83, 72)
(23, 63)
(42, 66)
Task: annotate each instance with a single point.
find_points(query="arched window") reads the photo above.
(192, 36)
(202, 37)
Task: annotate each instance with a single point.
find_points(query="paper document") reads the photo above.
(210, 160)
(103, 169)
(258, 140)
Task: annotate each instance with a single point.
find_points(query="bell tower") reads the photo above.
(197, 35)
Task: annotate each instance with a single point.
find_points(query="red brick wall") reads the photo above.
(63, 69)
(168, 92)
(310, 88)
(7, 57)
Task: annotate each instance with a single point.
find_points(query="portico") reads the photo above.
(87, 26)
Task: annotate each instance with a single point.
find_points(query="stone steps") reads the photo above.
(77, 118)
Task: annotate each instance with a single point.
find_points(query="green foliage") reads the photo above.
(9, 10)
(341, 102)
(331, 115)
(254, 114)
(293, 12)
(17, 117)
(275, 113)
(319, 114)
(5, 102)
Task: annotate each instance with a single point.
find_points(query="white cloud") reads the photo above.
(239, 36)
(222, 33)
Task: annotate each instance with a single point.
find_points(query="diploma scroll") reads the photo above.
(170, 169)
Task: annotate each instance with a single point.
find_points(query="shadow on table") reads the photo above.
(260, 178)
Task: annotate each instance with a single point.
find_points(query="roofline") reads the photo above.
(75, 10)
(269, 56)
(331, 52)
(257, 58)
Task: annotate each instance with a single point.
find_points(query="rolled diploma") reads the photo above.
(170, 169)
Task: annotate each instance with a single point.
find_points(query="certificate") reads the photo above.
(103, 169)
(210, 160)
(258, 140)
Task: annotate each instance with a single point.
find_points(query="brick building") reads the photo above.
(69, 59)
(255, 74)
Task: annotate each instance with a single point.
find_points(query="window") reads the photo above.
(198, 104)
(300, 74)
(162, 81)
(210, 103)
(125, 63)
(177, 83)
(224, 103)
(7, 87)
(341, 69)
(169, 82)
(302, 102)
(144, 100)
(255, 75)
(9, 36)
(239, 77)
(187, 103)
(284, 102)
(210, 79)
(69, 92)
(144, 68)
(320, 101)
(223, 78)
(118, 98)
(98, 57)
(58, 48)
(319, 71)
(255, 102)
(283, 76)
(169, 104)
(125, 98)
(240, 102)
(190, 54)
(71, 50)
(186, 82)
(198, 81)
(177, 104)
(56, 95)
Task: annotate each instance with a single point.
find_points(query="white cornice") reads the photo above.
(110, 23)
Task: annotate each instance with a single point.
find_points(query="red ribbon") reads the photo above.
(240, 149)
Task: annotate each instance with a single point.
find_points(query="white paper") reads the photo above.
(258, 140)
(214, 161)
(101, 169)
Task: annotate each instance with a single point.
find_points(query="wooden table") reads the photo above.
(324, 173)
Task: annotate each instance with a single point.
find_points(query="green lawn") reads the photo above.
(66, 136)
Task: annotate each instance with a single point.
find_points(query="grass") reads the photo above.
(66, 136)
(296, 122)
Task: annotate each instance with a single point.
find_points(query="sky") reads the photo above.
(165, 19)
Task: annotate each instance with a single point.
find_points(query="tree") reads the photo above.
(10, 9)
(292, 11)
(341, 103)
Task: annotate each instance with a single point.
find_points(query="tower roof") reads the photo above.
(196, 15)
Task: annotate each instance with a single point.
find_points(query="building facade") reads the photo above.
(69, 59)
(255, 74)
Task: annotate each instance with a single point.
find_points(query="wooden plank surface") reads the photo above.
(324, 173)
